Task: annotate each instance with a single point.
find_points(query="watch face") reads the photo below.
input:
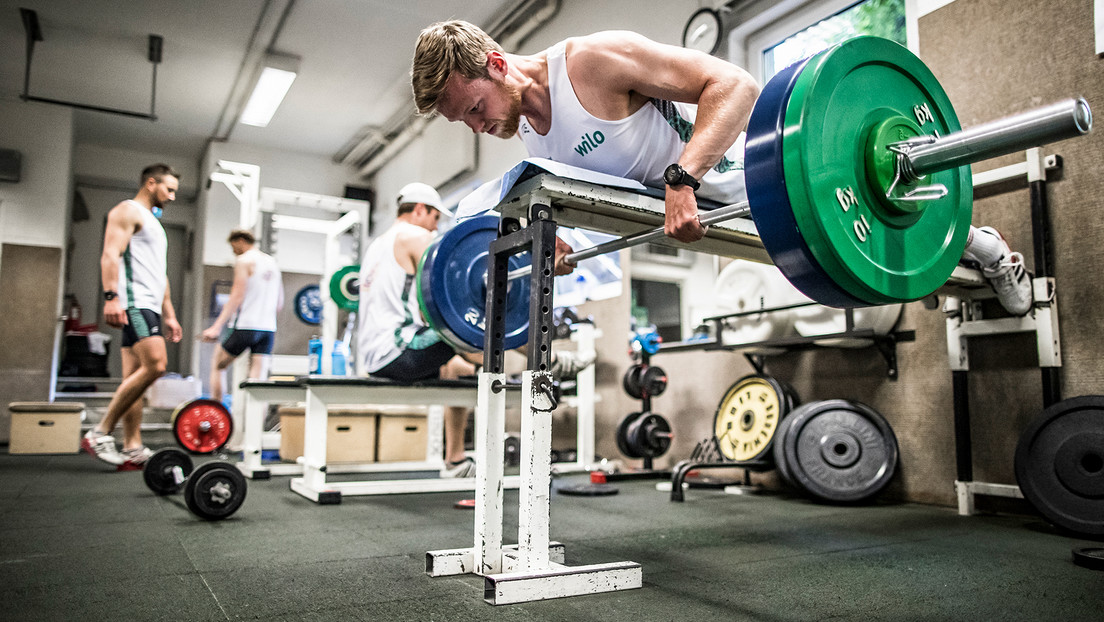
(672, 175)
(703, 31)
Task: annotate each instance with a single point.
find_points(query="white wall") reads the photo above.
(220, 210)
(35, 210)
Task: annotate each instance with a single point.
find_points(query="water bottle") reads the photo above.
(314, 349)
(338, 367)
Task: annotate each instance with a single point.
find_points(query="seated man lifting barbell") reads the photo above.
(618, 103)
(394, 340)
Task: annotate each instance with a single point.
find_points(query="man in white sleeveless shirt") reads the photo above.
(618, 103)
(393, 340)
(136, 299)
(256, 297)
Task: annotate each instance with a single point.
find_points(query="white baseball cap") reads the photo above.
(422, 193)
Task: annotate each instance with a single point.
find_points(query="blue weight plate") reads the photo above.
(308, 305)
(452, 292)
(770, 203)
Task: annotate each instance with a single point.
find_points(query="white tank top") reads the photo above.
(143, 276)
(262, 293)
(638, 147)
(388, 315)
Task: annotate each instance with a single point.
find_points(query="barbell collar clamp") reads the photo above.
(1068, 118)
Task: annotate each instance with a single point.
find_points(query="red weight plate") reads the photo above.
(202, 426)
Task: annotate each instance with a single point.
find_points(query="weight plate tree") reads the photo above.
(1060, 464)
(839, 451)
(748, 416)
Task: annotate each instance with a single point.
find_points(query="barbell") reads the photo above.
(858, 182)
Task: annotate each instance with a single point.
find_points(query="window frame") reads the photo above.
(752, 45)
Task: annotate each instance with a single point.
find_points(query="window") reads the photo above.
(882, 18)
(818, 25)
(658, 303)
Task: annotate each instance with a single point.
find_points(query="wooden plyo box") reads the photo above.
(45, 427)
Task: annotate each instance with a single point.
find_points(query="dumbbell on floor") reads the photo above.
(212, 491)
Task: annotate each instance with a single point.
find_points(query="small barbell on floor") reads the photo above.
(212, 491)
(858, 181)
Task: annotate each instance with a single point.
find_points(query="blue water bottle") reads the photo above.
(315, 355)
(338, 367)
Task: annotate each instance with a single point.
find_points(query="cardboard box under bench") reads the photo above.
(45, 427)
(360, 433)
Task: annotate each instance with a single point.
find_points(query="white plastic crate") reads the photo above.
(172, 391)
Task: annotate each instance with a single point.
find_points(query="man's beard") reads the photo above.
(507, 127)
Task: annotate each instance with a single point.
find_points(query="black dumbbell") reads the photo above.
(212, 491)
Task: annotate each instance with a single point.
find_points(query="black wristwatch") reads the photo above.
(111, 294)
(675, 175)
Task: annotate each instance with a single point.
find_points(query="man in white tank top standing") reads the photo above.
(256, 297)
(618, 103)
(136, 299)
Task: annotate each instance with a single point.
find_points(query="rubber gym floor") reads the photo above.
(79, 540)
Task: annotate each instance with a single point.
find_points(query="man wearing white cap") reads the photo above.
(393, 339)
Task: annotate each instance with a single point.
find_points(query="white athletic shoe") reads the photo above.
(101, 446)
(569, 363)
(464, 468)
(135, 459)
(1007, 276)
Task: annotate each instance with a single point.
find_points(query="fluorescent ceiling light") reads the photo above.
(272, 85)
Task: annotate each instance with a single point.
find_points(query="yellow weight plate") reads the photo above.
(748, 416)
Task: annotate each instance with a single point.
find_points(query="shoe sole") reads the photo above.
(90, 449)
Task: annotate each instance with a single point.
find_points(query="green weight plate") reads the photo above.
(849, 102)
(345, 288)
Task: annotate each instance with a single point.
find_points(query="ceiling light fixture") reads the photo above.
(276, 76)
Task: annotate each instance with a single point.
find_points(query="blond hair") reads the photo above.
(445, 48)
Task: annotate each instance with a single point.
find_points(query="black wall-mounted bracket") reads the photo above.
(34, 34)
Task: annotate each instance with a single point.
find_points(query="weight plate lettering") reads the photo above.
(747, 417)
(849, 102)
(202, 426)
(840, 451)
(1060, 464)
(452, 292)
(215, 490)
(345, 288)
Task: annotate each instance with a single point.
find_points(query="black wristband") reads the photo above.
(111, 294)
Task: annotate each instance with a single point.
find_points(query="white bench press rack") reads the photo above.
(532, 570)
